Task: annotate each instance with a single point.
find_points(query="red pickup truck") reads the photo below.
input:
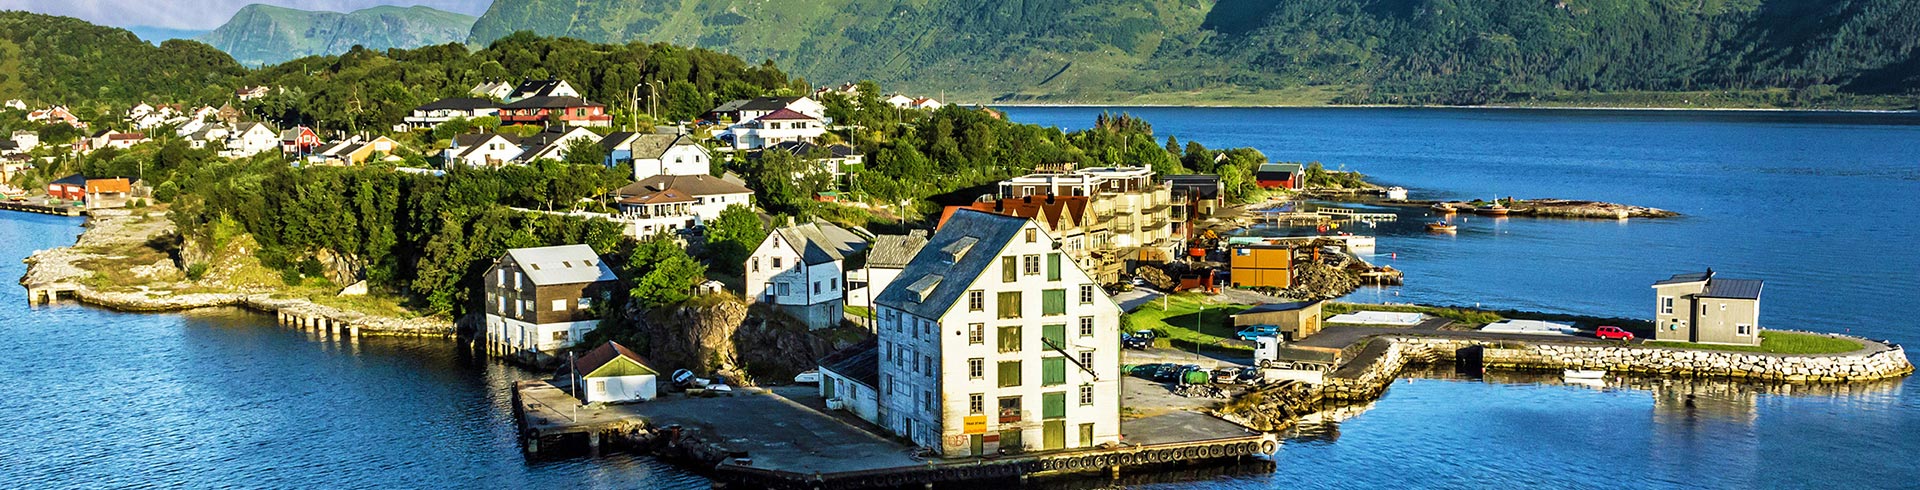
(1610, 332)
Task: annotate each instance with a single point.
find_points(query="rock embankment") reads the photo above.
(112, 239)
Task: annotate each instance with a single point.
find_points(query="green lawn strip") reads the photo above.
(1777, 342)
(1180, 317)
(858, 311)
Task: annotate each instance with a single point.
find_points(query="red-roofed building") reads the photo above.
(776, 127)
(609, 373)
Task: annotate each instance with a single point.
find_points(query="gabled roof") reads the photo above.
(665, 196)
(117, 184)
(565, 264)
(585, 364)
(804, 148)
(697, 185)
(458, 103)
(1279, 167)
(1733, 288)
(990, 232)
(1685, 278)
(654, 145)
(617, 139)
(895, 251)
(766, 103)
(860, 363)
(1055, 212)
(537, 88)
(544, 102)
(75, 180)
(475, 139)
(821, 242)
(785, 114)
(1274, 307)
(248, 127)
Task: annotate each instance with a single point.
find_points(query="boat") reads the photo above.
(1494, 209)
(1442, 227)
(1443, 208)
(1585, 373)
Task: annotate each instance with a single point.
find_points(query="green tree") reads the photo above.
(732, 236)
(663, 273)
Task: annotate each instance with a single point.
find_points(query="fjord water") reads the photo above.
(1819, 205)
(226, 399)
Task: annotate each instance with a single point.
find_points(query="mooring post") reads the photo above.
(1114, 472)
(593, 443)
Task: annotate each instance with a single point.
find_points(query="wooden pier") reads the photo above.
(328, 328)
(28, 207)
(1355, 215)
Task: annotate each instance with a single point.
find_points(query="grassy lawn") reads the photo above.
(859, 311)
(1456, 314)
(1779, 343)
(1180, 317)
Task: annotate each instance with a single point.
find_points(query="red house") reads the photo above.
(300, 139)
(1280, 176)
(573, 111)
(69, 188)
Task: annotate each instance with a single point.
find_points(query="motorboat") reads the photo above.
(1442, 227)
(1585, 373)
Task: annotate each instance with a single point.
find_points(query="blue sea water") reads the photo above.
(1819, 205)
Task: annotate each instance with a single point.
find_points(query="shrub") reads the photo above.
(196, 271)
(291, 277)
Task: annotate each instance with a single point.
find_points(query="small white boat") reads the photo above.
(1585, 373)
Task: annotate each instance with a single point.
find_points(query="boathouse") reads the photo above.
(1280, 176)
(609, 373)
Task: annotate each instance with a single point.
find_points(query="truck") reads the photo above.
(1279, 360)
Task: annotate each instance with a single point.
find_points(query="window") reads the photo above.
(977, 404)
(1009, 412)
(1009, 339)
(1008, 273)
(560, 336)
(584, 303)
(1086, 394)
(976, 368)
(976, 300)
(976, 333)
(833, 284)
(1053, 371)
(926, 401)
(756, 264)
(784, 289)
(1666, 305)
(816, 287)
(1032, 235)
(1086, 435)
(1744, 329)
(1086, 294)
(1053, 302)
(500, 278)
(1009, 304)
(1086, 326)
(1009, 374)
(926, 364)
(1030, 265)
(1053, 266)
(1086, 358)
(776, 262)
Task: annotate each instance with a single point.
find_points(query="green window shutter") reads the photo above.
(1053, 266)
(1053, 302)
(1055, 334)
(1009, 374)
(1053, 371)
(1009, 304)
(1009, 269)
(1009, 339)
(1053, 405)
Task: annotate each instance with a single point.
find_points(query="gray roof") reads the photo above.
(988, 232)
(820, 242)
(1733, 288)
(1280, 167)
(1685, 278)
(895, 251)
(473, 139)
(614, 140)
(653, 145)
(1276, 307)
(457, 103)
(564, 264)
(767, 103)
(545, 102)
(697, 185)
(860, 363)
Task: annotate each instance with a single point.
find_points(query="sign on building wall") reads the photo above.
(976, 424)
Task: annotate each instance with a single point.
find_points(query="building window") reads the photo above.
(784, 289)
(926, 364)
(1030, 265)
(1009, 339)
(977, 404)
(1008, 269)
(816, 287)
(1086, 394)
(756, 264)
(1009, 374)
(976, 300)
(776, 262)
(833, 284)
(976, 368)
(976, 333)
(1053, 302)
(1086, 358)
(584, 303)
(1666, 305)
(1086, 326)
(1053, 405)
(1032, 235)
(1745, 329)
(1086, 294)
(1009, 304)
(1009, 412)
(1053, 371)
(559, 305)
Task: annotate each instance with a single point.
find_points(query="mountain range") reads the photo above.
(1735, 52)
(264, 34)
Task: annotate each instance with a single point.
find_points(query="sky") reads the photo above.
(206, 14)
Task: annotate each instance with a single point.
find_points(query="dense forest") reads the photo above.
(1714, 52)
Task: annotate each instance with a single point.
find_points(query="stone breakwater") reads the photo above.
(1873, 362)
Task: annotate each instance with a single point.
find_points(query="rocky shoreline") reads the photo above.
(71, 271)
(1561, 208)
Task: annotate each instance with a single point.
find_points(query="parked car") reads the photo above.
(1610, 332)
(1226, 376)
(1249, 376)
(1257, 331)
(684, 378)
(811, 376)
(1146, 334)
(1147, 370)
(1168, 372)
(1131, 341)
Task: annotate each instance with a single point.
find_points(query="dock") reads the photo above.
(784, 438)
(53, 209)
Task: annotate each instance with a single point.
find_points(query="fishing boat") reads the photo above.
(1442, 227)
(1443, 208)
(1494, 209)
(1585, 373)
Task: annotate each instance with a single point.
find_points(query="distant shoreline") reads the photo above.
(1496, 107)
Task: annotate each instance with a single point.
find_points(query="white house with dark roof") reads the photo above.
(991, 339)
(443, 110)
(883, 262)
(542, 299)
(552, 143)
(801, 269)
(743, 110)
(848, 380)
(528, 89)
(672, 203)
(492, 89)
(1705, 308)
(657, 154)
(779, 126)
(483, 150)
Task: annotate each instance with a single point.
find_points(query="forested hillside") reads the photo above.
(262, 34)
(1733, 52)
(48, 59)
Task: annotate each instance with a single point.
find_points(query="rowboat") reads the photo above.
(1442, 208)
(1585, 373)
(1442, 227)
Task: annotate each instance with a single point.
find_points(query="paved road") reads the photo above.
(1133, 300)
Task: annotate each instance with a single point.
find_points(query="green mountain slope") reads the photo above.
(1736, 52)
(263, 34)
(46, 59)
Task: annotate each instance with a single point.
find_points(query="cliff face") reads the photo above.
(721, 334)
(264, 34)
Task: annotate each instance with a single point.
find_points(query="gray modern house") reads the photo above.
(1700, 307)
